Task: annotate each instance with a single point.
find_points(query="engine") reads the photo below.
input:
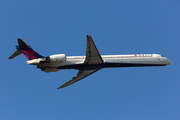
(57, 58)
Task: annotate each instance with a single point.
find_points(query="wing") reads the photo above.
(92, 53)
(80, 75)
(92, 57)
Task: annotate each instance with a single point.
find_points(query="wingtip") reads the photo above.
(88, 36)
(19, 38)
(59, 87)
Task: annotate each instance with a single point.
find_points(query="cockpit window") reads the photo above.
(162, 56)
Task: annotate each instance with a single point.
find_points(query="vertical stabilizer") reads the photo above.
(26, 50)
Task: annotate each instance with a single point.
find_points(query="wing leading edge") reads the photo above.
(92, 57)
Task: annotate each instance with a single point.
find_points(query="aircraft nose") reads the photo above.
(169, 62)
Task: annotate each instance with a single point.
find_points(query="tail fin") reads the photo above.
(25, 50)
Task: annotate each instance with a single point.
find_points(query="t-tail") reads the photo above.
(25, 50)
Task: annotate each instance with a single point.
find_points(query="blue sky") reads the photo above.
(117, 27)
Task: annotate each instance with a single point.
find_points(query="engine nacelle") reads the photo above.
(57, 58)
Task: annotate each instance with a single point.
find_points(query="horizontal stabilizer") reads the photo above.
(26, 50)
(16, 53)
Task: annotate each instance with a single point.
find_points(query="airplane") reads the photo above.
(88, 64)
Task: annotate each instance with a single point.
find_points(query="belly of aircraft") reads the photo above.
(106, 65)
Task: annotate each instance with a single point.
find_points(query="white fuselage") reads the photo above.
(76, 62)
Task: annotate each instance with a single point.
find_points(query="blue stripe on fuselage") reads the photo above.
(105, 65)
